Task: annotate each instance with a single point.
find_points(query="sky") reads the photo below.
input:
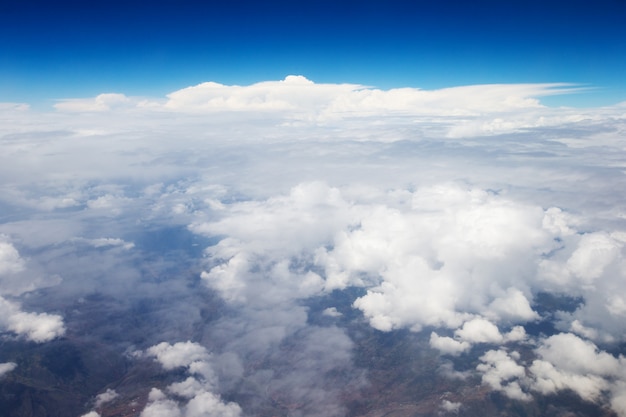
(52, 49)
(240, 203)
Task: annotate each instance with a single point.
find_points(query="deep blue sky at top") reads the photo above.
(66, 48)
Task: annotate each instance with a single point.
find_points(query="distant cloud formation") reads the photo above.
(460, 111)
(452, 213)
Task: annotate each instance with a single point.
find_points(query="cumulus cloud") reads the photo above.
(196, 389)
(10, 260)
(38, 327)
(479, 331)
(450, 407)
(500, 371)
(7, 367)
(448, 345)
(181, 354)
(510, 107)
(105, 397)
(331, 312)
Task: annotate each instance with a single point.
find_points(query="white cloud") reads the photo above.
(38, 327)
(91, 414)
(501, 372)
(475, 109)
(187, 388)
(181, 354)
(102, 102)
(331, 312)
(107, 241)
(105, 397)
(450, 407)
(208, 404)
(10, 260)
(479, 330)
(547, 380)
(594, 253)
(573, 354)
(7, 367)
(160, 406)
(512, 305)
(196, 389)
(448, 345)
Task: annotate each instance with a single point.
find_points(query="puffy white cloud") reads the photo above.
(91, 414)
(105, 397)
(475, 109)
(442, 259)
(450, 406)
(448, 345)
(207, 404)
(196, 389)
(331, 312)
(571, 353)
(501, 372)
(595, 251)
(548, 379)
(512, 305)
(181, 354)
(160, 406)
(187, 388)
(568, 362)
(10, 260)
(7, 367)
(38, 327)
(479, 330)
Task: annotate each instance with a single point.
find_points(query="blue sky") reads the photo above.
(72, 48)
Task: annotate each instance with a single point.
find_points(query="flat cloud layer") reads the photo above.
(453, 213)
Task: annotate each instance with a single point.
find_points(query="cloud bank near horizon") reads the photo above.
(454, 212)
(460, 111)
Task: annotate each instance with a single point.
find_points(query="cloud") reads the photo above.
(7, 367)
(196, 389)
(479, 331)
(38, 327)
(331, 312)
(500, 371)
(509, 107)
(253, 210)
(104, 242)
(102, 102)
(10, 260)
(565, 362)
(105, 397)
(450, 407)
(448, 345)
